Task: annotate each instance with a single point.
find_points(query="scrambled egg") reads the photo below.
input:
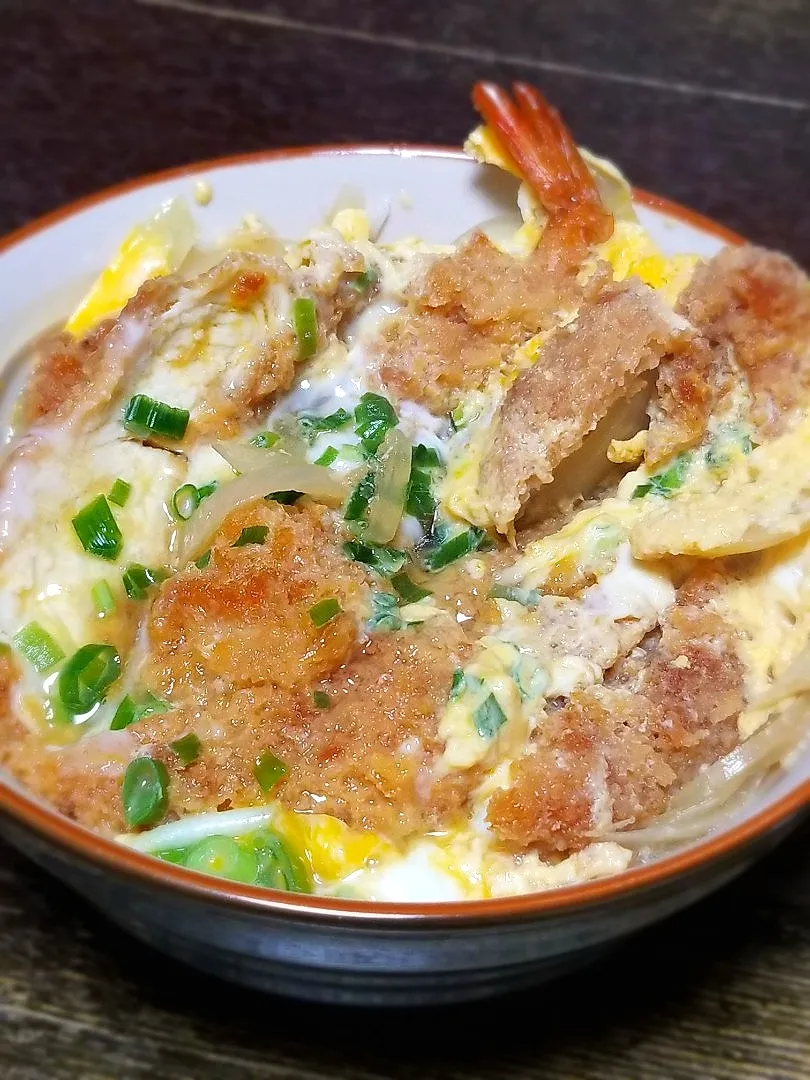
(152, 249)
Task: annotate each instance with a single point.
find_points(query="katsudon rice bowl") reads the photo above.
(364, 566)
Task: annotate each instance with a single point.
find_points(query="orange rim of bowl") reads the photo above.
(80, 841)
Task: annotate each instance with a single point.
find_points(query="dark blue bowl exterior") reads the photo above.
(375, 960)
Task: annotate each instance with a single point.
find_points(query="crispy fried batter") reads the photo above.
(581, 372)
(367, 758)
(467, 312)
(753, 307)
(613, 754)
(244, 620)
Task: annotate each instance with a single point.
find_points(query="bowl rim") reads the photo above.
(147, 870)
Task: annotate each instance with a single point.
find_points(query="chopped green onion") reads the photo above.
(425, 457)
(268, 770)
(365, 281)
(324, 611)
(203, 560)
(206, 490)
(667, 482)
(384, 612)
(286, 498)
(98, 530)
(374, 418)
(359, 499)
(187, 748)
(383, 560)
(251, 534)
(185, 501)
(489, 718)
(103, 599)
(456, 547)
(125, 714)
(321, 699)
(313, 425)
(146, 417)
(144, 792)
(223, 857)
(305, 323)
(526, 597)
(265, 440)
(130, 712)
(278, 868)
(38, 647)
(408, 590)
(329, 456)
(120, 492)
(139, 579)
(419, 500)
(86, 677)
(458, 685)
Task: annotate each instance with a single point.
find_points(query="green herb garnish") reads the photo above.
(409, 592)
(324, 611)
(146, 417)
(383, 560)
(98, 530)
(374, 418)
(38, 647)
(120, 492)
(251, 534)
(268, 770)
(144, 792)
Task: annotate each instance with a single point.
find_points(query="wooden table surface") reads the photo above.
(706, 101)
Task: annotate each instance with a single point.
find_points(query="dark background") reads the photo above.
(706, 101)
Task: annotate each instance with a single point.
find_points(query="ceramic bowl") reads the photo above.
(316, 948)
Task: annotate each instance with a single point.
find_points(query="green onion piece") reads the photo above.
(409, 592)
(38, 647)
(278, 868)
(458, 685)
(203, 560)
(146, 417)
(139, 579)
(223, 857)
(526, 597)
(384, 612)
(251, 534)
(665, 483)
(359, 499)
(98, 530)
(144, 792)
(374, 417)
(206, 490)
(419, 500)
(324, 611)
(103, 599)
(265, 439)
(425, 457)
(120, 492)
(329, 456)
(130, 712)
(321, 699)
(305, 323)
(383, 560)
(125, 714)
(185, 501)
(456, 547)
(86, 677)
(365, 281)
(268, 770)
(187, 748)
(313, 425)
(286, 498)
(489, 718)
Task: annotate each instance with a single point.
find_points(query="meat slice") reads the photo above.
(583, 370)
(221, 344)
(465, 314)
(752, 307)
(612, 755)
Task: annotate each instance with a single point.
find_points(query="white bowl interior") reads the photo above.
(436, 195)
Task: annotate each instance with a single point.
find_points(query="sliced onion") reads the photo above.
(795, 679)
(275, 472)
(390, 488)
(707, 803)
(196, 827)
